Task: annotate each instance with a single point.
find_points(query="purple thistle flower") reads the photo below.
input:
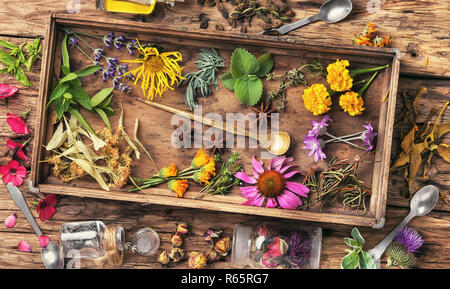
(299, 248)
(108, 39)
(131, 46)
(119, 41)
(313, 144)
(319, 127)
(409, 238)
(368, 136)
(98, 53)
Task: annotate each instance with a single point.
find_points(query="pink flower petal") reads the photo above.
(16, 180)
(245, 178)
(13, 145)
(44, 240)
(21, 172)
(255, 201)
(4, 169)
(17, 124)
(257, 165)
(21, 155)
(7, 178)
(10, 221)
(276, 161)
(13, 164)
(24, 247)
(297, 188)
(285, 168)
(290, 174)
(249, 192)
(271, 203)
(289, 200)
(6, 90)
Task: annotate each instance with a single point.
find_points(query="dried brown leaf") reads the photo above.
(444, 151)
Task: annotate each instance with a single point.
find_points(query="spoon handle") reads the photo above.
(17, 197)
(286, 28)
(378, 251)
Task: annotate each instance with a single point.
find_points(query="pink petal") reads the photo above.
(16, 180)
(24, 247)
(21, 172)
(44, 240)
(285, 168)
(6, 90)
(255, 201)
(245, 178)
(12, 144)
(297, 188)
(7, 178)
(289, 200)
(51, 199)
(4, 169)
(257, 165)
(276, 161)
(290, 174)
(271, 203)
(249, 192)
(13, 164)
(10, 221)
(17, 124)
(21, 155)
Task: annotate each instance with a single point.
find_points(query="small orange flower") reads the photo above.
(338, 76)
(369, 30)
(352, 103)
(178, 186)
(170, 171)
(200, 159)
(362, 40)
(316, 99)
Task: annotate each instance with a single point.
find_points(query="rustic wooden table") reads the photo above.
(420, 31)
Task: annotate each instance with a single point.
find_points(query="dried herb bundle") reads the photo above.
(420, 143)
(339, 179)
(208, 65)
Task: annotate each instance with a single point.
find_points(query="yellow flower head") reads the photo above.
(352, 103)
(178, 186)
(338, 76)
(170, 171)
(362, 40)
(156, 70)
(206, 172)
(316, 99)
(201, 159)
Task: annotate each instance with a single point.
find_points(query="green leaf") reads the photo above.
(82, 121)
(6, 58)
(352, 243)
(357, 236)
(107, 101)
(61, 105)
(243, 63)
(228, 80)
(103, 116)
(101, 96)
(65, 56)
(80, 95)
(265, 64)
(351, 261)
(59, 90)
(366, 261)
(87, 70)
(8, 44)
(22, 77)
(248, 91)
(68, 77)
(108, 110)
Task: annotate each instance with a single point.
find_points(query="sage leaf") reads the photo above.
(59, 90)
(248, 91)
(8, 44)
(97, 99)
(366, 261)
(228, 80)
(20, 75)
(81, 97)
(351, 242)
(357, 236)
(6, 58)
(68, 77)
(103, 115)
(265, 64)
(351, 261)
(65, 56)
(243, 63)
(87, 70)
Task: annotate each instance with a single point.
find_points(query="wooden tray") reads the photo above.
(156, 129)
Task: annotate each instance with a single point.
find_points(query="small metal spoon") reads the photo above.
(421, 204)
(52, 256)
(331, 11)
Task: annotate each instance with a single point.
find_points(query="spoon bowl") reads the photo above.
(278, 144)
(424, 200)
(334, 11)
(52, 256)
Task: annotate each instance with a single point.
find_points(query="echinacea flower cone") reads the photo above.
(270, 187)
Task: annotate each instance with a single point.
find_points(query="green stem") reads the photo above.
(366, 86)
(83, 52)
(26, 142)
(27, 113)
(356, 72)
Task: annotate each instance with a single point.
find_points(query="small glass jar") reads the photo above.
(272, 246)
(85, 239)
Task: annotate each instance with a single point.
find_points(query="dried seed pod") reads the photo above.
(177, 254)
(163, 258)
(197, 260)
(182, 229)
(213, 256)
(176, 240)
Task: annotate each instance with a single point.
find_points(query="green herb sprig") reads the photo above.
(16, 57)
(208, 65)
(225, 179)
(357, 257)
(245, 73)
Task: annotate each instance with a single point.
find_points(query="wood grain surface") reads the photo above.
(425, 34)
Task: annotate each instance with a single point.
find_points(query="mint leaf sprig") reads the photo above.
(357, 257)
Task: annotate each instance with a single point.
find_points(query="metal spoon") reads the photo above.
(331, 11)
(52, 256)
(421, 204)
(277, 142)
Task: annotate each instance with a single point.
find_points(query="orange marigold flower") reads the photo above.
(338, 76)
(178, 186)
(362, 40)
(352, 103)
(369, 30)
(200, 159)
(316, 99)
(170, 171)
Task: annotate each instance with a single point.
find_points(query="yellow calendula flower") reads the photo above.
(158, 71)
(338, 76)
(352, 103)
(316, 99)
(200, 159)
(178, 186)
(170, 171)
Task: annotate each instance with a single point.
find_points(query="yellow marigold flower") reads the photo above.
(316, 99)
(156, 70)
(338, 76)
(200, 159)
(352, 103)
(170, 171)
(178, 186)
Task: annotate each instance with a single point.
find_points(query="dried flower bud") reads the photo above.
(223, 246)
(213, 256)
(176, 240)
(177, 254)
(211, 234)
(182, 229)
(197, 260)
(163, 258)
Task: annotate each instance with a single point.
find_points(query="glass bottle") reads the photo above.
(272, 246)
(85, 239)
